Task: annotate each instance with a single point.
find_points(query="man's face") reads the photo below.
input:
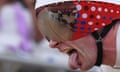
(82, 52)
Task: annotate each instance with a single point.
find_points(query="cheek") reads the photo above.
(88, 47)
(90, 51)
(88, 60)
(86, 42)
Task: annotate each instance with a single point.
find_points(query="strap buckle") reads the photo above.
(99, 39)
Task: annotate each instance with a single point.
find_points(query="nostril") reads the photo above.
(57, 44)
(47, 38)
(53, 44)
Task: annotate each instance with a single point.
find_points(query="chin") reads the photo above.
(85, 67)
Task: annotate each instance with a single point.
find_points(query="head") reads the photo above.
(65, 27)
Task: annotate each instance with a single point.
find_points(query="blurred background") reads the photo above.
(22, 47)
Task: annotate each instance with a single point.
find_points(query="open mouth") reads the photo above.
(71, 51)
(74, 59)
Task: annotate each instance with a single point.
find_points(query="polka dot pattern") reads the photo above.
(95, 29)
(84, 15)
(99, 9)
(77, 15)
(117, 12)
(103, 24)
(83, 22)
(91, 16)
(90, 23)
(78, 7)
(106, 10)
(93, 8)
(112, 11)
(98, 16)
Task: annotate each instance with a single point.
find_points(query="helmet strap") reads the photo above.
(99, 37)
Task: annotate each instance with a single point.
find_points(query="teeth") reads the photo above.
(69, 51)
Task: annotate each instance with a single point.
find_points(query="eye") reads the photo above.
(47, 38)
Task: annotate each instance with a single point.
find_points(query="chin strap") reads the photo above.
(99, 37)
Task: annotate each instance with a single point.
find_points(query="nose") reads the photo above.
(53, 44)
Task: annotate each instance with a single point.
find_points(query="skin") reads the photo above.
(88, 46)
(86, 55)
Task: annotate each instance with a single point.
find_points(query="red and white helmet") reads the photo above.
(84, 17)
(89, 15)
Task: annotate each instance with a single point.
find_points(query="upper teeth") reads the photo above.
(67, 50)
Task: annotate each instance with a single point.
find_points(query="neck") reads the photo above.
(109, 56)
(109, 47)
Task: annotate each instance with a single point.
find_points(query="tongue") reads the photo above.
(73, 62)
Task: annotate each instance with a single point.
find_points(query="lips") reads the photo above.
(74, 57)
(74, 60)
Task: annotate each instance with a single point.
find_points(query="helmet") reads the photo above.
(82, 17)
